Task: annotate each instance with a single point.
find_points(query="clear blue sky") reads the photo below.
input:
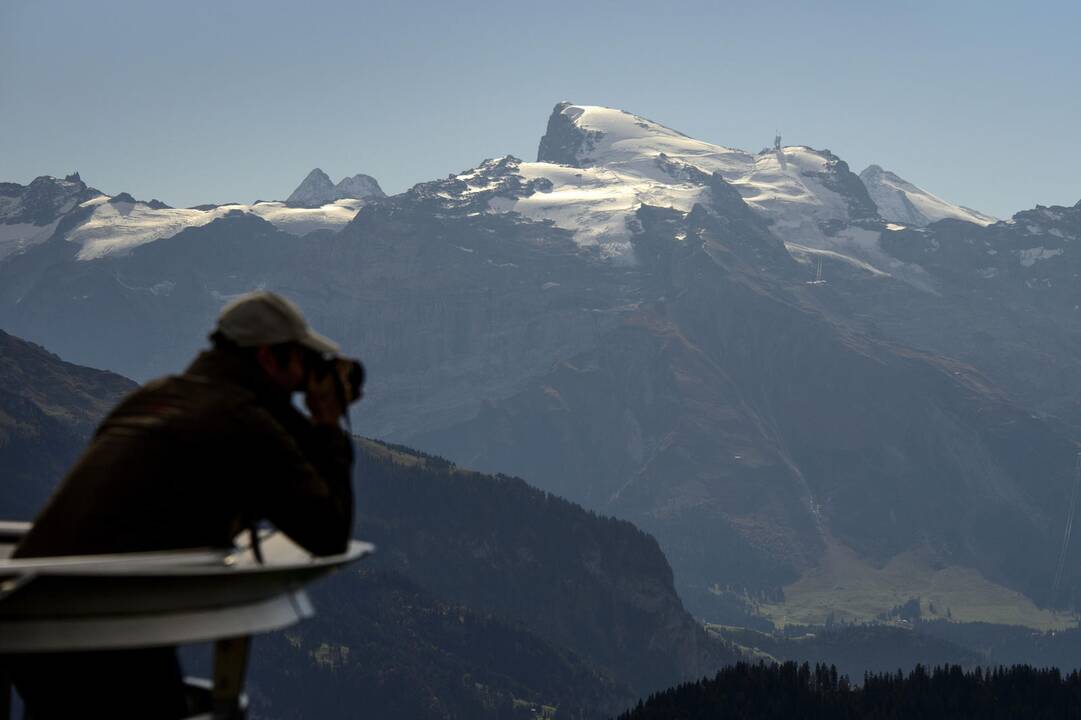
(195, 102)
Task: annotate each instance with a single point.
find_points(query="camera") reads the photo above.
(320, 365)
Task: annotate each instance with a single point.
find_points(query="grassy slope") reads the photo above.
(853, 590)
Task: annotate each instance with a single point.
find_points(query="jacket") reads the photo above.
(188, 461)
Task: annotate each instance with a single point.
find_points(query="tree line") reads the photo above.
(792, 690)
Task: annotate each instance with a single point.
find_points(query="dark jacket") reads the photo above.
(189, 461)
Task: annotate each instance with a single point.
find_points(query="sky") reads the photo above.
(213, 102)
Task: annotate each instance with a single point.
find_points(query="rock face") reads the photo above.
(359, 186)
(635, 323)
(29, 213)
(1005, 301)
(564, 143)
(317, 190)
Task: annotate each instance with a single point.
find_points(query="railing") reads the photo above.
(102, 602)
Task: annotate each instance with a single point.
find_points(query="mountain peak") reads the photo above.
(902, 202)
(359, 186)
(574, 131)
(317, 189)
(562, 139)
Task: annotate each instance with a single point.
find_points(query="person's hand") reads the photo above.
(323, 395)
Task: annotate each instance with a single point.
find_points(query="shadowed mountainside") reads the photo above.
(48, 409)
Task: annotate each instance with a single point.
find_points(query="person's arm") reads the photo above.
(304, 487)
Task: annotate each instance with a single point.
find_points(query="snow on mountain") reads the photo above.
(586, 135)
(603, 164)
(317, 190)
(597, 204)
(117, 225)
(902, 202)
(597, 166)
(30, 213)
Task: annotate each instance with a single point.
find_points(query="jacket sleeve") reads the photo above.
(303, 485)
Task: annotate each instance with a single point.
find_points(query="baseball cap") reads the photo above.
(266, 318)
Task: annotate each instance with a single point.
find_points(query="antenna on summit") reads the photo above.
(778, 150)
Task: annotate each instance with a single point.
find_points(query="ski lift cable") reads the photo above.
(1068, 530)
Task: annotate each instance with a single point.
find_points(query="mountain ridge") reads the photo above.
(317, 190)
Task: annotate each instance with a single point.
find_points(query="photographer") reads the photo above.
(190, 461)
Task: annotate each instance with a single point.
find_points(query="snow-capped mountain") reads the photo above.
(596, 167)
(899, 201)
(605, 163)
(29, 213)
(317, 190)
(103, 225)
(109, 225)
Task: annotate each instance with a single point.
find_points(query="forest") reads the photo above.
(792, 690)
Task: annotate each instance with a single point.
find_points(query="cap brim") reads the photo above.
(318, 343)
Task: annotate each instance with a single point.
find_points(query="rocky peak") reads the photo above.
(902, 202)
(471, 190)
(44, 200)
(838, 177)
(359, 186)
(564, 141)
(317, 189)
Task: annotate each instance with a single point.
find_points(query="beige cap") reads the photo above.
(265, 318)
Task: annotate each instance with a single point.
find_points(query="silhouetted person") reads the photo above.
(190, 461)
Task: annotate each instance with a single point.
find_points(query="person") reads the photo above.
(191, 461)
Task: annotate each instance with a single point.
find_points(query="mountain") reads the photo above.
(808, 196)
(519, 592)
(728, 413)
(29, 213)
(899, 201)
(360, 186)
(596, 585)
(381, 645)
(1001, 298)
(48, 409)
(634, 323)
(317, 190)
(102, 225)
